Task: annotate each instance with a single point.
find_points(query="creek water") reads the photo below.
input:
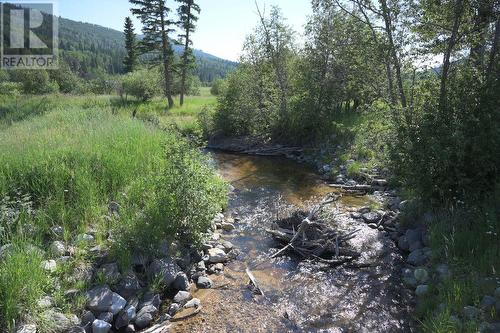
(298, 296)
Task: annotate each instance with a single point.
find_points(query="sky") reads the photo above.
(221, 29)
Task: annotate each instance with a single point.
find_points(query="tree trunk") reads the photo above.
(185, 58)
(397, 65)
(478, 46)
(494, 49)
(166, 61)
(447, 54)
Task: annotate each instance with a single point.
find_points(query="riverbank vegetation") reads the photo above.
(410, 87)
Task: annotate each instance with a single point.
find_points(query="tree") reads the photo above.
(141, 84)
(187, 18)
(156, 43)
(130, 61)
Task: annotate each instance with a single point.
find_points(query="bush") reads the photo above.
(142, 84)
(36, 82)
(217, 87)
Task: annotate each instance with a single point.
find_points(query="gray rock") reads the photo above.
(403, 243)
(422, 290)
(194, 303)
(126, 316)
(76, 329)
(147, 309)
(182, 297)
(415, 246)
(150, 299)
(497, 293)
(409, 278)
(216, 255)
(106, 316)
(128, 286)
(489, 327)
(45, 302)
(471, 312)
(28, 328)
(227, 226)
(110, 272)
(421, 275)
(84, 239)
(57, 231)
(181, 282)
(173, 309)
(373, 225)
(57, 321)
(356, 215)
(100, 326)
(57, 249)
(130, 329)
(228, 246)
(413, 235)
(166, 269)
(102, 299)
(417, 258)
(49, 265)
(371, 217)
(443, 271)
(204, 283)
(140, 261)
(87, 318)
(143, 321)
(488, 303)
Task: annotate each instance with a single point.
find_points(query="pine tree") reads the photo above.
(187, 18)
(130, 61)
(156, 43)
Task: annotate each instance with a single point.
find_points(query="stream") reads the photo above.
(299, 296)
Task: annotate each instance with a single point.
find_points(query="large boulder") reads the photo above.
(128, 286)
(182, 297)
(418, 257)
(371, 217)
(181, 282)
(166, 269)
(110, 272)
(204, 283)
(56, 321)
(126, 316)
(100, 326)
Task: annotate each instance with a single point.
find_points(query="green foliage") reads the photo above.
(217, 87)
(35, 82)
(142, 84)
(131, 59)
(22, 282)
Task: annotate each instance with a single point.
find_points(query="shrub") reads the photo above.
(36, 82)
(217, 87)
(142, 84)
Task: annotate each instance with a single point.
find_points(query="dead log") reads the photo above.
(253, 280)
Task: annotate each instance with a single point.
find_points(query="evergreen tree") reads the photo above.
(130, 61)
(156, 43)
(187, 17)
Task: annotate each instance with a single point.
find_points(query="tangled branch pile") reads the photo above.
(311, 237)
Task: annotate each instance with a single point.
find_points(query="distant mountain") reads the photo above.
(88, 46)
(90, 49)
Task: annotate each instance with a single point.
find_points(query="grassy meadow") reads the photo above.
(64, 160)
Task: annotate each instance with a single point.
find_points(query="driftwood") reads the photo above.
(312, 238)
(253, 280)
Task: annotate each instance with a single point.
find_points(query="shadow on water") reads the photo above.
(299, 296)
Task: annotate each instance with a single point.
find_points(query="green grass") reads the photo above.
(62, 164)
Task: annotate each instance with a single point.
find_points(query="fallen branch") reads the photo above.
(253, 280)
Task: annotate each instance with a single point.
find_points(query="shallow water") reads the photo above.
(298, 296)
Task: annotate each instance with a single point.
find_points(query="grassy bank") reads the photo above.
(62, 163)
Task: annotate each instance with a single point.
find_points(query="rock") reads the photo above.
(173, 309)
(417, 257)
(379, 182)
(84, 239)
(408, 277)
(373, 225)
(109, 272)
(113, 208)
(57, 321)
(194, 303)
(28, 328)
(489, 327)
(403, 243)
(228, 246)
(364, 210)
(106, 316)
(227, 226)
(215, 236)
(102, 299)
(415, 246)
(497, 293)
(45, 302)
(126, 316)
(76, 329)
(371, 217)
(57, 249)
(164, 268)
(421, 275)
(100, 326)
(63, 260)
(404, 205)
(87, 319)
(471, 312)
(143, 321)
(181, 282)
(182, 297)
(128, 286)
(83, 273)
(57, 231)
(130, 329)
(443, 271)
(158, 328)
(413, 235)
(217, 256)
(488, 303)
(4, 250)
(150, 299)
(356, 215)
(49, 265)
(204, 283)
(139, 261)
(422, 290)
